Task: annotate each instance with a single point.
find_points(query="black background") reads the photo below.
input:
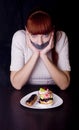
(13, 14)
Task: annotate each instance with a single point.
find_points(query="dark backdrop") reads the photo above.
(13, 14)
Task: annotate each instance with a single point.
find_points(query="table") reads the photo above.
(13, 116)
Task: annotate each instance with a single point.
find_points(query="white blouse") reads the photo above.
(20, 54)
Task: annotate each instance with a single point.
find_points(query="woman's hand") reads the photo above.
(48, 48)
(30, 45)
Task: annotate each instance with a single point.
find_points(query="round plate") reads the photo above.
(56, 99)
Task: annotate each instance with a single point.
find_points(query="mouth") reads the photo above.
(40, 46)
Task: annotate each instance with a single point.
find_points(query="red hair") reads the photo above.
(39, 22)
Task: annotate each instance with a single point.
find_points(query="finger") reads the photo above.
(51, 43)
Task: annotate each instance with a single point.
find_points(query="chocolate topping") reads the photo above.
(31, 98)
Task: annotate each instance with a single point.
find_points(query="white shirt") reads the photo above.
(20, 54)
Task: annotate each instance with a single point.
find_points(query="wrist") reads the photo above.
(43, 56)
(36, 54)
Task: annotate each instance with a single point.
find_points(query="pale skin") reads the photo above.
(20, 78)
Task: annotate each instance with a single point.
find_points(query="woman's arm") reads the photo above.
(19, 78)
(21, 72)
(61, 78)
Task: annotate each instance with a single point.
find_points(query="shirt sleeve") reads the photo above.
(17, 56)
(63, 53)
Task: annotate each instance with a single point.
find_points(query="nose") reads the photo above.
(40, 40)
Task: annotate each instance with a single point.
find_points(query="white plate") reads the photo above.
(57, 102)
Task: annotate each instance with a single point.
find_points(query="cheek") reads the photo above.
(34, 39)
(46, 39)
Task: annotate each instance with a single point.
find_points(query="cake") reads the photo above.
(45, 96)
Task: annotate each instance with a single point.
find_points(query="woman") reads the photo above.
(39, 54)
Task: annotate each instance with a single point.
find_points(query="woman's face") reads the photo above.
(40, 41)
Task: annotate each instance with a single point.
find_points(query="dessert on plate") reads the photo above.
(31, 100)
(45, 96)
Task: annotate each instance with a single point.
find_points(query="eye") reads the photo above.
(46, 35)
(32, 35)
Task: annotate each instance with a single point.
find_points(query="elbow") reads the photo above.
(15, 85)
(65, 85)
